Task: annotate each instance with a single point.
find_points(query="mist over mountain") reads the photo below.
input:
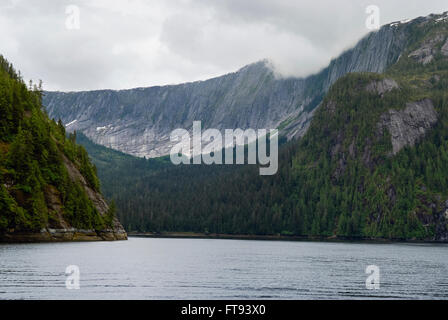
(372, 164)
(139, 121)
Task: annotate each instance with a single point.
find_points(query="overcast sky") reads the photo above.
(137, 43)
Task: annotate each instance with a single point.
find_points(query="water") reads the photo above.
(144, 268)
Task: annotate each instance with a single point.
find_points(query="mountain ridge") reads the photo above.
(372, 165)
(139, 121)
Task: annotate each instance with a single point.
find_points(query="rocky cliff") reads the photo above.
(139, 121)
(372, 163)
(49, 190)
(408, 126)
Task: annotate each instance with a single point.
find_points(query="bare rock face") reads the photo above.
(382, 87)
(298, 127)
(445, 48)
(408, 126)
(425, 54)
(139, 121)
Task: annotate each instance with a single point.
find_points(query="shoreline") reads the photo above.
(49, 236)
(63, 235)
(214, 236)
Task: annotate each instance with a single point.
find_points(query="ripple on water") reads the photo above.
(220, 269)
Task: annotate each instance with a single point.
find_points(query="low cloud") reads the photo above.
(135, 43)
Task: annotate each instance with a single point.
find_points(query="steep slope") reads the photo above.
(48, 187)
(139, 121)
(373, 164)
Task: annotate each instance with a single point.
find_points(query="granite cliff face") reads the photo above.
(382, 87)
(408, 126)
(139, 121)
(371, 162)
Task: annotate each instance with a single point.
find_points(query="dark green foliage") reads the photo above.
(78, 208)
(383, 197)
(340, 179)
(77, 154)
(32, 152)
(154, 195)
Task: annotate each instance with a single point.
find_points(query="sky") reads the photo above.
(119, 44)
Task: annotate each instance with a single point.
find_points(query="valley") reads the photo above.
(370, 166)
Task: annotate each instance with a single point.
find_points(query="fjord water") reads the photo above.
(144, 268)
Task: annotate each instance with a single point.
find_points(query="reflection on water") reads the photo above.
(222, 269)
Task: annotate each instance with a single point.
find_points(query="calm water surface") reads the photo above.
(144, 268)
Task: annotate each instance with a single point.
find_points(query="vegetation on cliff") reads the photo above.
(343, 178)
(36, 190)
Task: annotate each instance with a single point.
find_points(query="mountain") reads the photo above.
(139, 121)
(49, 190)
(373, 163)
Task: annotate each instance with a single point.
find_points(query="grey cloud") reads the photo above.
(124, 44)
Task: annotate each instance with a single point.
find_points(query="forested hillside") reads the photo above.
(49, 189)
(373, 164)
